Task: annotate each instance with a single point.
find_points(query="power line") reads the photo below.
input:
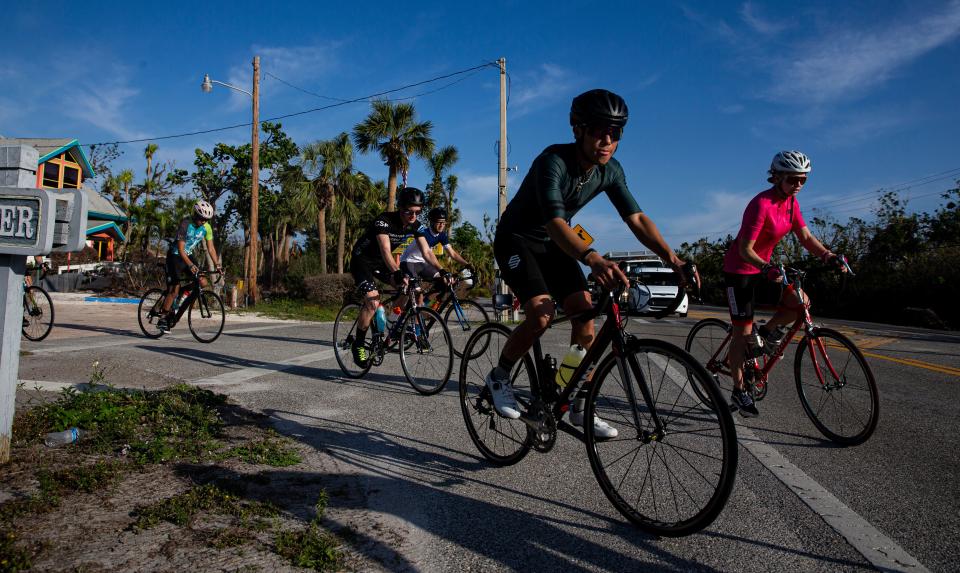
(298, 113)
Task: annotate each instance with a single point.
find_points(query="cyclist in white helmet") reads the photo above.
(190, 233)
(768, 218)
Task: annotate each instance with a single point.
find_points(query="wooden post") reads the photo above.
(255, 188)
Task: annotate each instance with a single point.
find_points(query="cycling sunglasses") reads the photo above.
(795, 179)
(600, 131)
(409, 212)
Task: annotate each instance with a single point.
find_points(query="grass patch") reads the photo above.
(311, 547)
(181, 509)
(13, 557)
(272, 451)
(294, 309)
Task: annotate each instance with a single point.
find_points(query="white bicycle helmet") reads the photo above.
(203, 209)
(790, 162)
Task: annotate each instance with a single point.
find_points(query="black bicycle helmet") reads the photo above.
(599, 107)
(410, 197)
(437, 213)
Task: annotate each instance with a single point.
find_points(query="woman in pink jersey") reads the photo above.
(768, 218)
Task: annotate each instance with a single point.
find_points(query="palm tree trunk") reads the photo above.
(392, 188)
(341, 239)
(322, 232)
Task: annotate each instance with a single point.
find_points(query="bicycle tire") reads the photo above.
(344, 328)
(149, 311)
(698, 448)
(207, 328)
(835, 414)
(426, 351)
(37, 313)
(703, 341)
(500, 440)
(461, 327)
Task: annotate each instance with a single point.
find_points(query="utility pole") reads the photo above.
(502, 167)
(252, 293)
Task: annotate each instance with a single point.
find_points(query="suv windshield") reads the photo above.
(655, 278)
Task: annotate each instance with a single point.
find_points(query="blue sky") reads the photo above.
(868, 90)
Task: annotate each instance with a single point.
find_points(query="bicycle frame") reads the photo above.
(610, 335)
(195, 289)
(805, 321)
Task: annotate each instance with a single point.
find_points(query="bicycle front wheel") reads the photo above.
(709, 343)
(463, 321)
(37, 313)
(671, 478)
(836, 387)
(150, 311)
(501, 440)
(344, 331)
(206, 316)
(426, 352)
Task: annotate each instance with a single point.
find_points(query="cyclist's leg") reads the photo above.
(175, 268)
(740, 300)
(788, 308)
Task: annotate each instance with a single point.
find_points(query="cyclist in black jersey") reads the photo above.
(373, 259)
(538, 252)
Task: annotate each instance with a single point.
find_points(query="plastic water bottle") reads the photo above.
(68, 436)
(754, 343)
(570, 362)
(380, 319)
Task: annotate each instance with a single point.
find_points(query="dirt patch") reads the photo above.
(243, 498)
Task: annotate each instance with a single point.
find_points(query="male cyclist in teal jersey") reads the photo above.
(190, 233)
(538, 252)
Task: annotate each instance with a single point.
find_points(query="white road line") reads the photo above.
(138, 339)
(881, 551)
(246, 374)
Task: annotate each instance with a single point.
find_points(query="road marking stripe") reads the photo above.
(135, 339)
(917, 364)
(246, 374)
(881, 551)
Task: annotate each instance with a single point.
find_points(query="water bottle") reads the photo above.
(570, 362)
(394, 314)
(754, 344)
(68, 436)
(380, 319)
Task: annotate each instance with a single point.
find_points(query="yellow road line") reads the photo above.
(917, 364)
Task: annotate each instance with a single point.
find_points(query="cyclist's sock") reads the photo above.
(360, 337)
(506, 364)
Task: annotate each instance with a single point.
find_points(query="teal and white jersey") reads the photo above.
(191, 235)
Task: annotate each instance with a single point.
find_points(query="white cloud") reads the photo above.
(539, 88)
(844, 65)
(760, 25)
(104, 104)
(715, 26)
(720, 213)
(301, 66)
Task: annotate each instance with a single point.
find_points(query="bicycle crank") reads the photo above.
(541, 426)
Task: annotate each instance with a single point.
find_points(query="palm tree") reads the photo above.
(392, 131)
(440, 162)
(148, 152)
(453, 215)
(322, 162)
(353, 189)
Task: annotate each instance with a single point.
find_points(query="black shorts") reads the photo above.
(177, 270)
(366, 272)
(532, 268)
(743, 292)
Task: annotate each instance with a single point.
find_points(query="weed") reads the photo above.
(180, 509)
(287, 308)
(311, 547)
(12, 557)
(271, 451)
(229, 537)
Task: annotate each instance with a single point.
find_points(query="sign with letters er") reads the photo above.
(38, 221)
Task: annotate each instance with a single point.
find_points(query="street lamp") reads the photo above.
(207, 87)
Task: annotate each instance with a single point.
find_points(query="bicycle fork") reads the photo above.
(643, 435)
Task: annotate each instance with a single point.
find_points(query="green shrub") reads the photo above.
(328, 289)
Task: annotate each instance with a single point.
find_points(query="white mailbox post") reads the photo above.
(32, 222)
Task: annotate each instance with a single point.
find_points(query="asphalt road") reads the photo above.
(442, 507)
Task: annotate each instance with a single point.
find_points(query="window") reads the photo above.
(71, 177)
(51, 174)
(61, 172)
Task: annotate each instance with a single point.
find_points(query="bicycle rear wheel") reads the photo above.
(836, 387)
(344, 330)
(205, 316)
(150, 311)
(464, 322)
(426, 352)
(37, 313)
(676, 480)
(501, 440)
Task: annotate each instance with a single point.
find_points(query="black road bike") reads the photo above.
(37, 311)
(671, 467)
(461, 315)
(203, 307)
(418, 334)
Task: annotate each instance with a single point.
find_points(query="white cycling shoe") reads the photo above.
(601, 429)
(502, 392)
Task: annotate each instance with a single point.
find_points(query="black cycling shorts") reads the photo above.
(177, 270)
(366, 272)
(532, 268)
(742, 294)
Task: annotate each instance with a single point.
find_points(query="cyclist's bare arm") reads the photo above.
(383, 241)
(456, 256)
(607, 273)
(745, 248)
(213, 254)
(812, 244)
(427, 253)
(182, 249)
(647, 233)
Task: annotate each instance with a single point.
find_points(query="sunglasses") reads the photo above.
(601, 131)
(796, 179)
(409, 212)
